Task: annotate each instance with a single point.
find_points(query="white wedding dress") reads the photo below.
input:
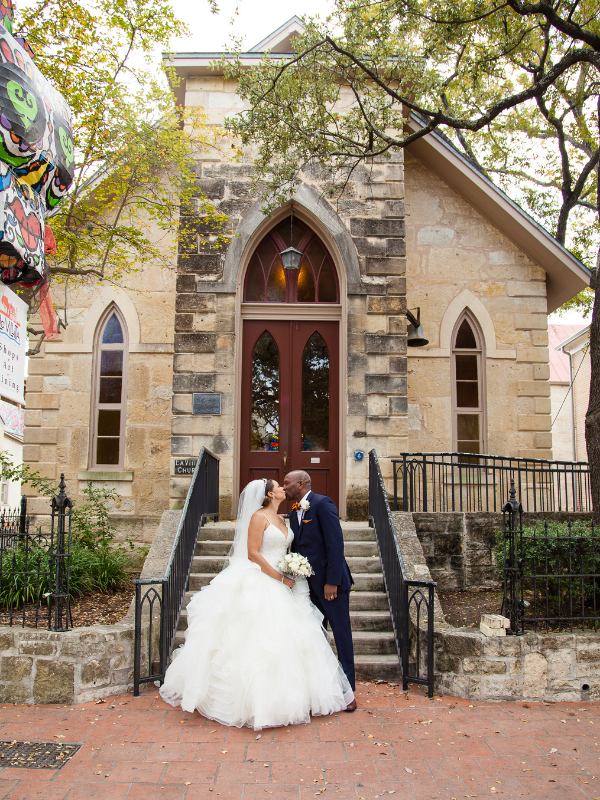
(255, 651)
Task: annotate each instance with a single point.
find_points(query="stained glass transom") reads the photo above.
(314, 282)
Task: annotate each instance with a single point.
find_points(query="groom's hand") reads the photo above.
(330, 591)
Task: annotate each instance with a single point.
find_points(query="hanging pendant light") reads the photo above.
(291, 257)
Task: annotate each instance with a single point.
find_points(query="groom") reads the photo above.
(318, 536)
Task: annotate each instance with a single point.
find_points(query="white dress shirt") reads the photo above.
(299, 511)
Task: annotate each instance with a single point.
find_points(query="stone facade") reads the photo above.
(365, 235)
(456, 258)
(437, 252)
(459, 546)
(559, 667)
(59, 397)
(39, 666)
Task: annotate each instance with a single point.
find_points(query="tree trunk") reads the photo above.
(592, 418)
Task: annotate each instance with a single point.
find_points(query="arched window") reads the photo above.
(109, 391)
(468, 386)
(315, 281)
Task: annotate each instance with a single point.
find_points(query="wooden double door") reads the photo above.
(290, 402)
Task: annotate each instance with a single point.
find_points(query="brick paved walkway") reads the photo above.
(405, 746)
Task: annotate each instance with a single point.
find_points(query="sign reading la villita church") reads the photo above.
(13, 345)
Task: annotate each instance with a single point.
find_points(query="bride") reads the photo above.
(255, 650)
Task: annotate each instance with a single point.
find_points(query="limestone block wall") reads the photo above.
(40, 666)
(369, 219)
(459, 546)
(59, 392)
(558, 667)
(455, 254)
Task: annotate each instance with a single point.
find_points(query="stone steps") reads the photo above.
(359, 601)
(360, 620)
(375, 651)
(360, 564)
(220, 549)
(224, 531)
(369, 582)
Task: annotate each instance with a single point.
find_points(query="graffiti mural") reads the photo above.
(36, 156)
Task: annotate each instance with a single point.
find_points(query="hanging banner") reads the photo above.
(13, 345)
(36, 159)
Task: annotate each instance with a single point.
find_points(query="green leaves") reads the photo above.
(515, 85)
(133, 149)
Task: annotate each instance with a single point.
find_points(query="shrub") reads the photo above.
(27, 573)
(550, 553)
(98, 563)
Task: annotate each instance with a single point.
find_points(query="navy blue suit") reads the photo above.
(320, 539)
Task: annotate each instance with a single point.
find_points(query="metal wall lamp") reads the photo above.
(415, 334)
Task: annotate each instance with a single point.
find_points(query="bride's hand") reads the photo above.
(289, 582)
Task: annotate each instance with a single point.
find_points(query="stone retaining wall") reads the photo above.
(459, 546)
(535, 666)
(40, 666)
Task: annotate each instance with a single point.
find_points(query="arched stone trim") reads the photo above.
(107, 296)
(318, 214)
(467, 300)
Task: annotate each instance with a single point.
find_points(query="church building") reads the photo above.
(288, 348)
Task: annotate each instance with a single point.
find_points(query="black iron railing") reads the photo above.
(405, 595)
(551, 572)
(467, 482)
(158, 601)
(35, 567)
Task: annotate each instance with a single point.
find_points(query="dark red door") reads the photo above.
(290, 402)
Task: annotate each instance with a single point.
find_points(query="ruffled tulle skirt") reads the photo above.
(255, 654)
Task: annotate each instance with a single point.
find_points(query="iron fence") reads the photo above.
(158, 601)
(551, 572)
(467, 482)
(35, 567)
(405, 595)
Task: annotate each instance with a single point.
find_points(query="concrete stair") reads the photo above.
(375, 652)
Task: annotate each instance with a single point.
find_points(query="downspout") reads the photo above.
(572, 390)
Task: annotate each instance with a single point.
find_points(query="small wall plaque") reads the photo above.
(206, 404)
(185, 466)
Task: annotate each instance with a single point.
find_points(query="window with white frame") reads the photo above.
(4, 492)
(468, 386)
(110, 391)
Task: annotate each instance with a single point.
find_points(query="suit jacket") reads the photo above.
(320, 539)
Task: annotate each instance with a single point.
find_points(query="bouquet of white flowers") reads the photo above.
(296, 565)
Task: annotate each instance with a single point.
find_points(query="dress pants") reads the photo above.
(337, 614)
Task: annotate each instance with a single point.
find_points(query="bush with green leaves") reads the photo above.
(98, 563)
(563, 558)
(27, 575)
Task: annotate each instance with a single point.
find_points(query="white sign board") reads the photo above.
(13, 345)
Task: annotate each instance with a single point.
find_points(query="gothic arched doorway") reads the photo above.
(290, 362)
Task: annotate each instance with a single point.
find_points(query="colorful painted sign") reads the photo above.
(36, 160)
(13, 418)
(13, 345)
